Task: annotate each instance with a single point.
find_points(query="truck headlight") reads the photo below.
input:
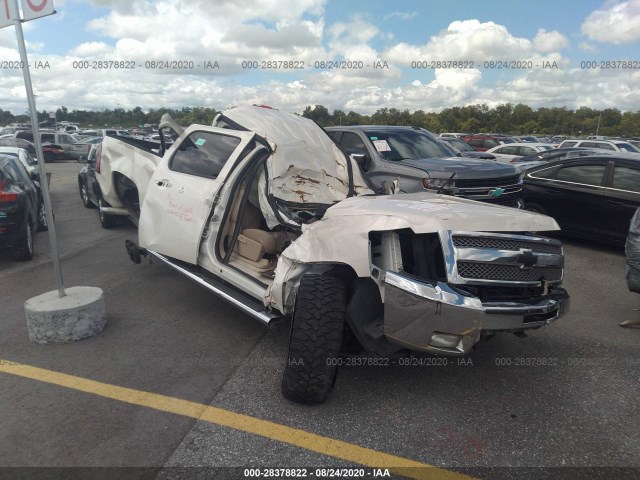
(437, 183)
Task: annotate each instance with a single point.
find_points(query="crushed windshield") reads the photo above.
(408, 144)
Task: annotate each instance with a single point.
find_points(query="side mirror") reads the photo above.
(395, 186)
(83, 159)
(35, 177)
(359, 158)
(392, 189)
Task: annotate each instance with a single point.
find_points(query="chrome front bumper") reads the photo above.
(439, 319)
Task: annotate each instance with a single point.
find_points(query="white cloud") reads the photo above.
(549, 41)
(465, 40)
(358, 30)
(618, 22)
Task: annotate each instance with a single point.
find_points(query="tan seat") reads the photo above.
(256, 243)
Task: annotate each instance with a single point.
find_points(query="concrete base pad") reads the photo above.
(79, 314)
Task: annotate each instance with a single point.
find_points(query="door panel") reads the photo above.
(623, 198)
(576, 198)
(180, 194)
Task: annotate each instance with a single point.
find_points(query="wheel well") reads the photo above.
(364, 314)
(126, 190)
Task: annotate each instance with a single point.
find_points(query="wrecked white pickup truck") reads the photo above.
(266, 211)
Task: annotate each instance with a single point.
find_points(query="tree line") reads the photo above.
(517, 119)
(505, 118)
(117, 117)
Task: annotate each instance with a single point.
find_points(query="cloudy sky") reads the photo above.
(233, 35)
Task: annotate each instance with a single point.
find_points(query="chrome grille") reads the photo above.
(488, 182)
(505, 244)
(501, 259)
(488, 271)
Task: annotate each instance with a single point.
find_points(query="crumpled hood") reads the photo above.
(342, 236)
(426, 212)
(465, 168)
(306, 165)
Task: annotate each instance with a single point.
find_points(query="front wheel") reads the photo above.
(315, 340)
(84, 195)
(24, 249)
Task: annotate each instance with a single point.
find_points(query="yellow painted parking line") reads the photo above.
(245, 423)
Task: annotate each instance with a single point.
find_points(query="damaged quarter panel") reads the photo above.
(132, 162)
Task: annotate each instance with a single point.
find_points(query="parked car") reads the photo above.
(482, 143)
(452, 135)
(92, 142)
(90, 192)
(467, 150)
(68, 128)
(506, 153)
(592, 197)
(530, 139)
(529, 161)
(19, 143)
(264, 210)
(559, 154)
(12, 130)
(104, 132)
(29, 163)
(72, 149)
(615, 145)
(632, 251)
(157, 138)
(422, 162)
(21, 208)
(51, 152)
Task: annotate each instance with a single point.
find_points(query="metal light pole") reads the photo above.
(38, 145)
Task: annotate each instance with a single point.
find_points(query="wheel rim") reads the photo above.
(29, 239)
(43, 216)
(85, 194)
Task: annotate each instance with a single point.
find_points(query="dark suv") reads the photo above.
(421, 162)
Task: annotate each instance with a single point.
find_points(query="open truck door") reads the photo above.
(181, 193)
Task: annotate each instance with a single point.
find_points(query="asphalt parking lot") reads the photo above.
(554, 405)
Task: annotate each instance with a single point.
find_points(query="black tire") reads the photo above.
(534, 207)
(24, 249)
(49, 157)
(107, 221)
(316, 337)
(84, 195)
